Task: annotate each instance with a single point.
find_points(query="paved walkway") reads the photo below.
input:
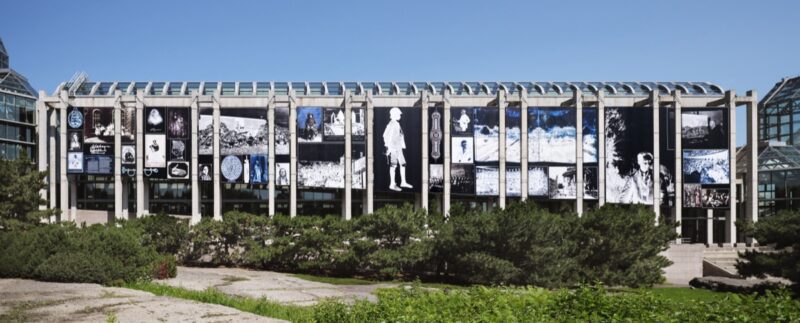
(278, 287)
(33, 301)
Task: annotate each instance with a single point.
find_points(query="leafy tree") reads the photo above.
(19, 194)
(783, 232)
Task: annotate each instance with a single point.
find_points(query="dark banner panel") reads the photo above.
(462, 179)
(590, 142)
(75, 124)
(629, 155)
(398, 139)
(155, 120)
(716, 198)
(244, 133)
(487, 135)
(703, 128)
(436, 134)
(552, 135)
(282, 134)
(462, 150)
(205, 132)
(205, 168)
(706, 166)
(309, 124)
(282, 174)
(436, 178)
(358, 149)
(128, 138)
(98, 141)
(320, 165)
(590, 180)
(513, 148)
(155, 143)
(461, 124)
(178, 143)
(692, 196)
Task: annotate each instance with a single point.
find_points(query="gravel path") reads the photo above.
(33, 301)
(278, 287)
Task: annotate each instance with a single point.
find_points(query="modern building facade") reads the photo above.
(17, 112)
(127, 149)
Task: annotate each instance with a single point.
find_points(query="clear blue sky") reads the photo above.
(739, 45)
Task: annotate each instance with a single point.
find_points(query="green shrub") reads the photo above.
(165, 267)
(168, 235)
(79, 267)
(782, 232)
(22, 252)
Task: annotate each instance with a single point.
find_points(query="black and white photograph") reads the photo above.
(487, 180)
(716, 198)
(333, 124)
(398, 151)
(706, 166)
(436, 135)
(98, 126)
(462, 150)
(128, 154)
(321, 165)
(178, 123)
(98, 149)
(436, 178)
(75, 118)
(563, 182)
(309, 124)
(75, 162)
(487, 134)
(243, 131)
(704, 128)
(282, 135)
(155, 151)
(258, 169)
(205, 132)
(629, 156)
(178, 170)
(75, 141)
(551, 135)
(462, 179)
(358, 157)
(282, 174)
(205, 172)
(590, 142)
(538, 182)
(178, 149)
(231, 168)
(358, 128)
(513, 181)
(155, 120)
(461, 123)
(513, 134)
(590, 178)
(692, 196)
(99, 165)
(127, 123)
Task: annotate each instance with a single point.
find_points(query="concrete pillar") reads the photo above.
(751, 182)
(293, 154)
(502, 102)
(730, 218)
(523, 144)
(601, 148)
(348, 156)
(709, 227)
(678, 209)
(117, 161)
(370, 191)
(42, 128)
(217, 183)
(62, 147)
(655, 103)
(142, 203)
(125, 200)
(577, 97)
(53, 163)
(73, 199)
(271, 173)
(446, 160)
(425, 149)
(196, 213)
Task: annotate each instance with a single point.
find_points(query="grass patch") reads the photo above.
(19, 312)
(682, 294)
(334, 280)
(261, 306)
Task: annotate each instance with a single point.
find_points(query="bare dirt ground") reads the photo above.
(278, 287)
(32, 301)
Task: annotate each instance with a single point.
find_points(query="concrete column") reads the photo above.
(425, 149)
(751, 182)
(196, 214)
(678, 209)
(601, 148)
(446, 160)
(217, 183)
(142, 203)
(271, 173)
(502, 102)
(523, 144)
(73, 199)
(730, 218)
(125, 211)
(52, 162)
(42, 128)
(370, 198)
(655, 103)
(710, 227)
(117, 161)
(293, 154)
(62, 147)
(578, 99)
(348, 156)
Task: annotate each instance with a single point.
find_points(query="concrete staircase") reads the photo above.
(697, 260)
(721, 261)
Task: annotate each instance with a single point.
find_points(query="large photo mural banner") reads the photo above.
(398, 141)
(462, 151)
(629, 155)
(320, 147)
(98, 140)
(704, 128)
(487, 151)
(179, 143)
(155, 142)
(552, 135)
(75, 124)
(244, 145)
(358, 146)
(128, 139)
(436, 149)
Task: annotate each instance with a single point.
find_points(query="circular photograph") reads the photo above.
(231, 168)
(75, 119)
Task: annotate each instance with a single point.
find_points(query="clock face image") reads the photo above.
(231, 168)
(75, 119)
